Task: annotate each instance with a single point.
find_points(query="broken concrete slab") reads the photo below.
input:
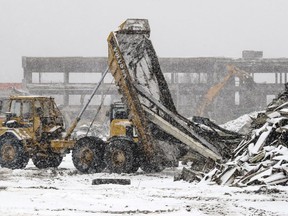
(262, 156)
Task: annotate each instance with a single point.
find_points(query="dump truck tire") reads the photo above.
(43, 161)
(119, 156)
(12, 154)
(87, 155)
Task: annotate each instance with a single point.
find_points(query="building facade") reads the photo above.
(71, 80)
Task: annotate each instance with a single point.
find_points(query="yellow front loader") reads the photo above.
(30, 126)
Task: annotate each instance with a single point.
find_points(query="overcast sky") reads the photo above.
(179, 28)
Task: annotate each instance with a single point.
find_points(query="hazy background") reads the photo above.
(183, 28)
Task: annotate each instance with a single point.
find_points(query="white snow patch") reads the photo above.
(65, 192)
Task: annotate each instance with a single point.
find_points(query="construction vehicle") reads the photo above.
(34, 128)
(163, 134)
(31, 123)
(213, 91)
(145, 130)
(92, 154)
(122, 150)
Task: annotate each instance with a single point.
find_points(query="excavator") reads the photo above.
(207, 99)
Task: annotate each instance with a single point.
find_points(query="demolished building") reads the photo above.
(262, 156)
(188, 79)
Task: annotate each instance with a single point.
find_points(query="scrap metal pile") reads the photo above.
(262, 157)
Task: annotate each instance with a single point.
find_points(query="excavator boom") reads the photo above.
(213, 91)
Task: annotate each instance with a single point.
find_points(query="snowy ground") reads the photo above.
(64, 191)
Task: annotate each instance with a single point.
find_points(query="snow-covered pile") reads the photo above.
(262, 157)
(241, 124)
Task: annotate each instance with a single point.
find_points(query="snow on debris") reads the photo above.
(241, 124)
(262, 156)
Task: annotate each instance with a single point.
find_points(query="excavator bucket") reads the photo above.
(162, 130)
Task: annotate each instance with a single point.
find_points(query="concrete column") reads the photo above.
(27, 74)
(66, 94)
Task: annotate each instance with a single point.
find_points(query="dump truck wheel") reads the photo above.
(87, 155)
(42, 160)
(119, 156)
(12, 154)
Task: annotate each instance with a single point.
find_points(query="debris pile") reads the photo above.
(242, 124)
(262, 156)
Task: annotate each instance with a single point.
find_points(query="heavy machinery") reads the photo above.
(163, 133)
(145, 130)
(34, 128)
(118, 153)
(160, 134)
(122, 150)
(213, 91)
(31, 123)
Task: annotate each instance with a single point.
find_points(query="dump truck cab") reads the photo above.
(31, 123)
(120, 125)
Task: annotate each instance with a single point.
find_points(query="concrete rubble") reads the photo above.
(260, 158)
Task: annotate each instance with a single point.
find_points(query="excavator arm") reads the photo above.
(213, 91)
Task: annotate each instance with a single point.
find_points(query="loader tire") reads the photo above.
(12, 154)
(87, 155)
(43, 161)
(119, 156)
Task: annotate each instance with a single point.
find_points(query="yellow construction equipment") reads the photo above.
(31, 123)
(213, 91)
(164, 135)
(145, 129)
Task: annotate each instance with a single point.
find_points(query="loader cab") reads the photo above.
(32, 112)
(120, 125)
(20, 113)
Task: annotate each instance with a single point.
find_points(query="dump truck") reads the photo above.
(163, 133)
(145, 128)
